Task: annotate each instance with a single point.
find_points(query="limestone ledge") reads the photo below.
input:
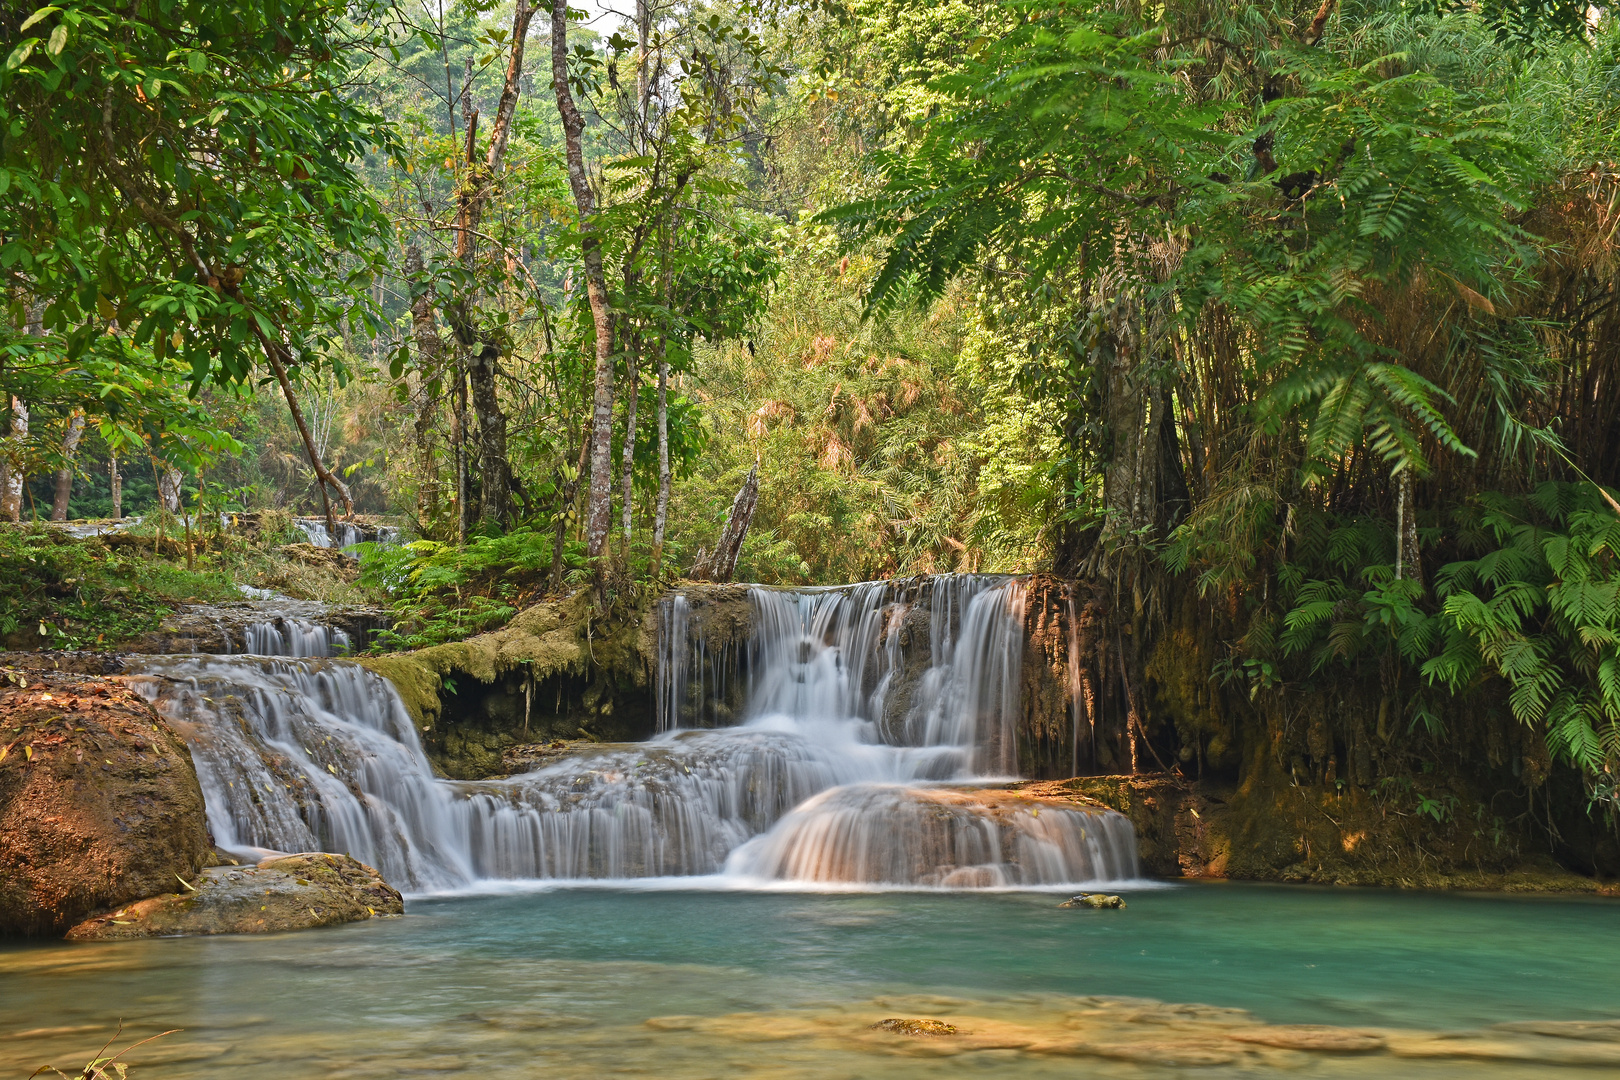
(292, 892)
(1305, 835)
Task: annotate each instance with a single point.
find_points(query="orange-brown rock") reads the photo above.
(99, 802)
(288, 892)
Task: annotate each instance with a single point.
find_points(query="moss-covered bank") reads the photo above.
(563, 669)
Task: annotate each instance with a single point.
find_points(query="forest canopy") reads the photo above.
(1296, 322)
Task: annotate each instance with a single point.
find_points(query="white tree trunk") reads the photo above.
(12, 471)
(64, 475)
(169, 488)
(630, 445)
(599, 502)
(661, 515)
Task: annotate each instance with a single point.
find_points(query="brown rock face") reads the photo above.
(293, 892)
(99, 803)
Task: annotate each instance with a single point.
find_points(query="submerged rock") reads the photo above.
(292, 892)
(1315, 1038)
(1094, 900)
(899, 1026)
(99, 803)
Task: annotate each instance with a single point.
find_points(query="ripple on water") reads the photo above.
(1312, 984)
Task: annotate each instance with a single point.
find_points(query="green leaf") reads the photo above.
(42, 13)
(21, 53)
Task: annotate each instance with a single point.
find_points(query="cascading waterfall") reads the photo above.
(295, 637)
(834, 773)
(348, 533)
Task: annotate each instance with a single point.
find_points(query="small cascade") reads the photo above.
(321, 755)
(697, 677)
(860, 705)
(970, 691)
(295, 637)
(894, 835)
(320, 536)
(308, 756)
(348, 533)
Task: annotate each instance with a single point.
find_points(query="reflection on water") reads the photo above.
(1206, 981)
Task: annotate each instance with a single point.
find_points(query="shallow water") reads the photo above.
(678, 983)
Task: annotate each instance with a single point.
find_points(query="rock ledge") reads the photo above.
(291, 892)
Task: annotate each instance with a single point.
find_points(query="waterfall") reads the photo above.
(892, 834)
(831, 773)
(348, 533)
(295, 637)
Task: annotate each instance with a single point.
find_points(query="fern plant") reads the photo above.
(441, 592)
(1540, 608)
(1533, 612)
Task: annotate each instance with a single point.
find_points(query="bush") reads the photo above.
(440, 592)
(63, 593)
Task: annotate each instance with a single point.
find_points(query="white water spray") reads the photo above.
(834, 775)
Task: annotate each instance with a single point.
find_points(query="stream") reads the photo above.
(675, 983)
(747, 894)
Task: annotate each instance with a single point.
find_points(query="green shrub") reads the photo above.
(63, 593)
(440, 592)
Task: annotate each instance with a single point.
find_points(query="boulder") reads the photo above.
(1094, 900)
(291, 892)
(99, 802)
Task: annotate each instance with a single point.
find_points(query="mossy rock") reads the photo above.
(291, 892)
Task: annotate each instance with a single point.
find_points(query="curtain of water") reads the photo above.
(816, 783)
(294, 637)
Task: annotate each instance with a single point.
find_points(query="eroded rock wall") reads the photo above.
(559, 671)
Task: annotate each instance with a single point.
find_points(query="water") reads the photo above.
(348, 533)
(585, 982)
(827, 781)
(295, 637)
(748, 897)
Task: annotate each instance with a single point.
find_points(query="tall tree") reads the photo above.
(187, 169)
(599, 500)
(484, 346)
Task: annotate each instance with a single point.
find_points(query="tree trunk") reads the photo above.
(570, 492)
(495, 471)
(599, 508)
(723, 562)
(1144, 483)
(116, 479)
(661, 515)
(169, 488)
(633, 380)
(1407, 564)
(458, 438)
(484, 351)
(323, 475)
(13, 473)
(64, 475)
(643, 36)
(430, 354)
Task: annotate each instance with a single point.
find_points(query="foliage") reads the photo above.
(1534, 609)
(184, 173)
(1539, 607)
(67, 594)
(444, 592)
(1077, 146)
